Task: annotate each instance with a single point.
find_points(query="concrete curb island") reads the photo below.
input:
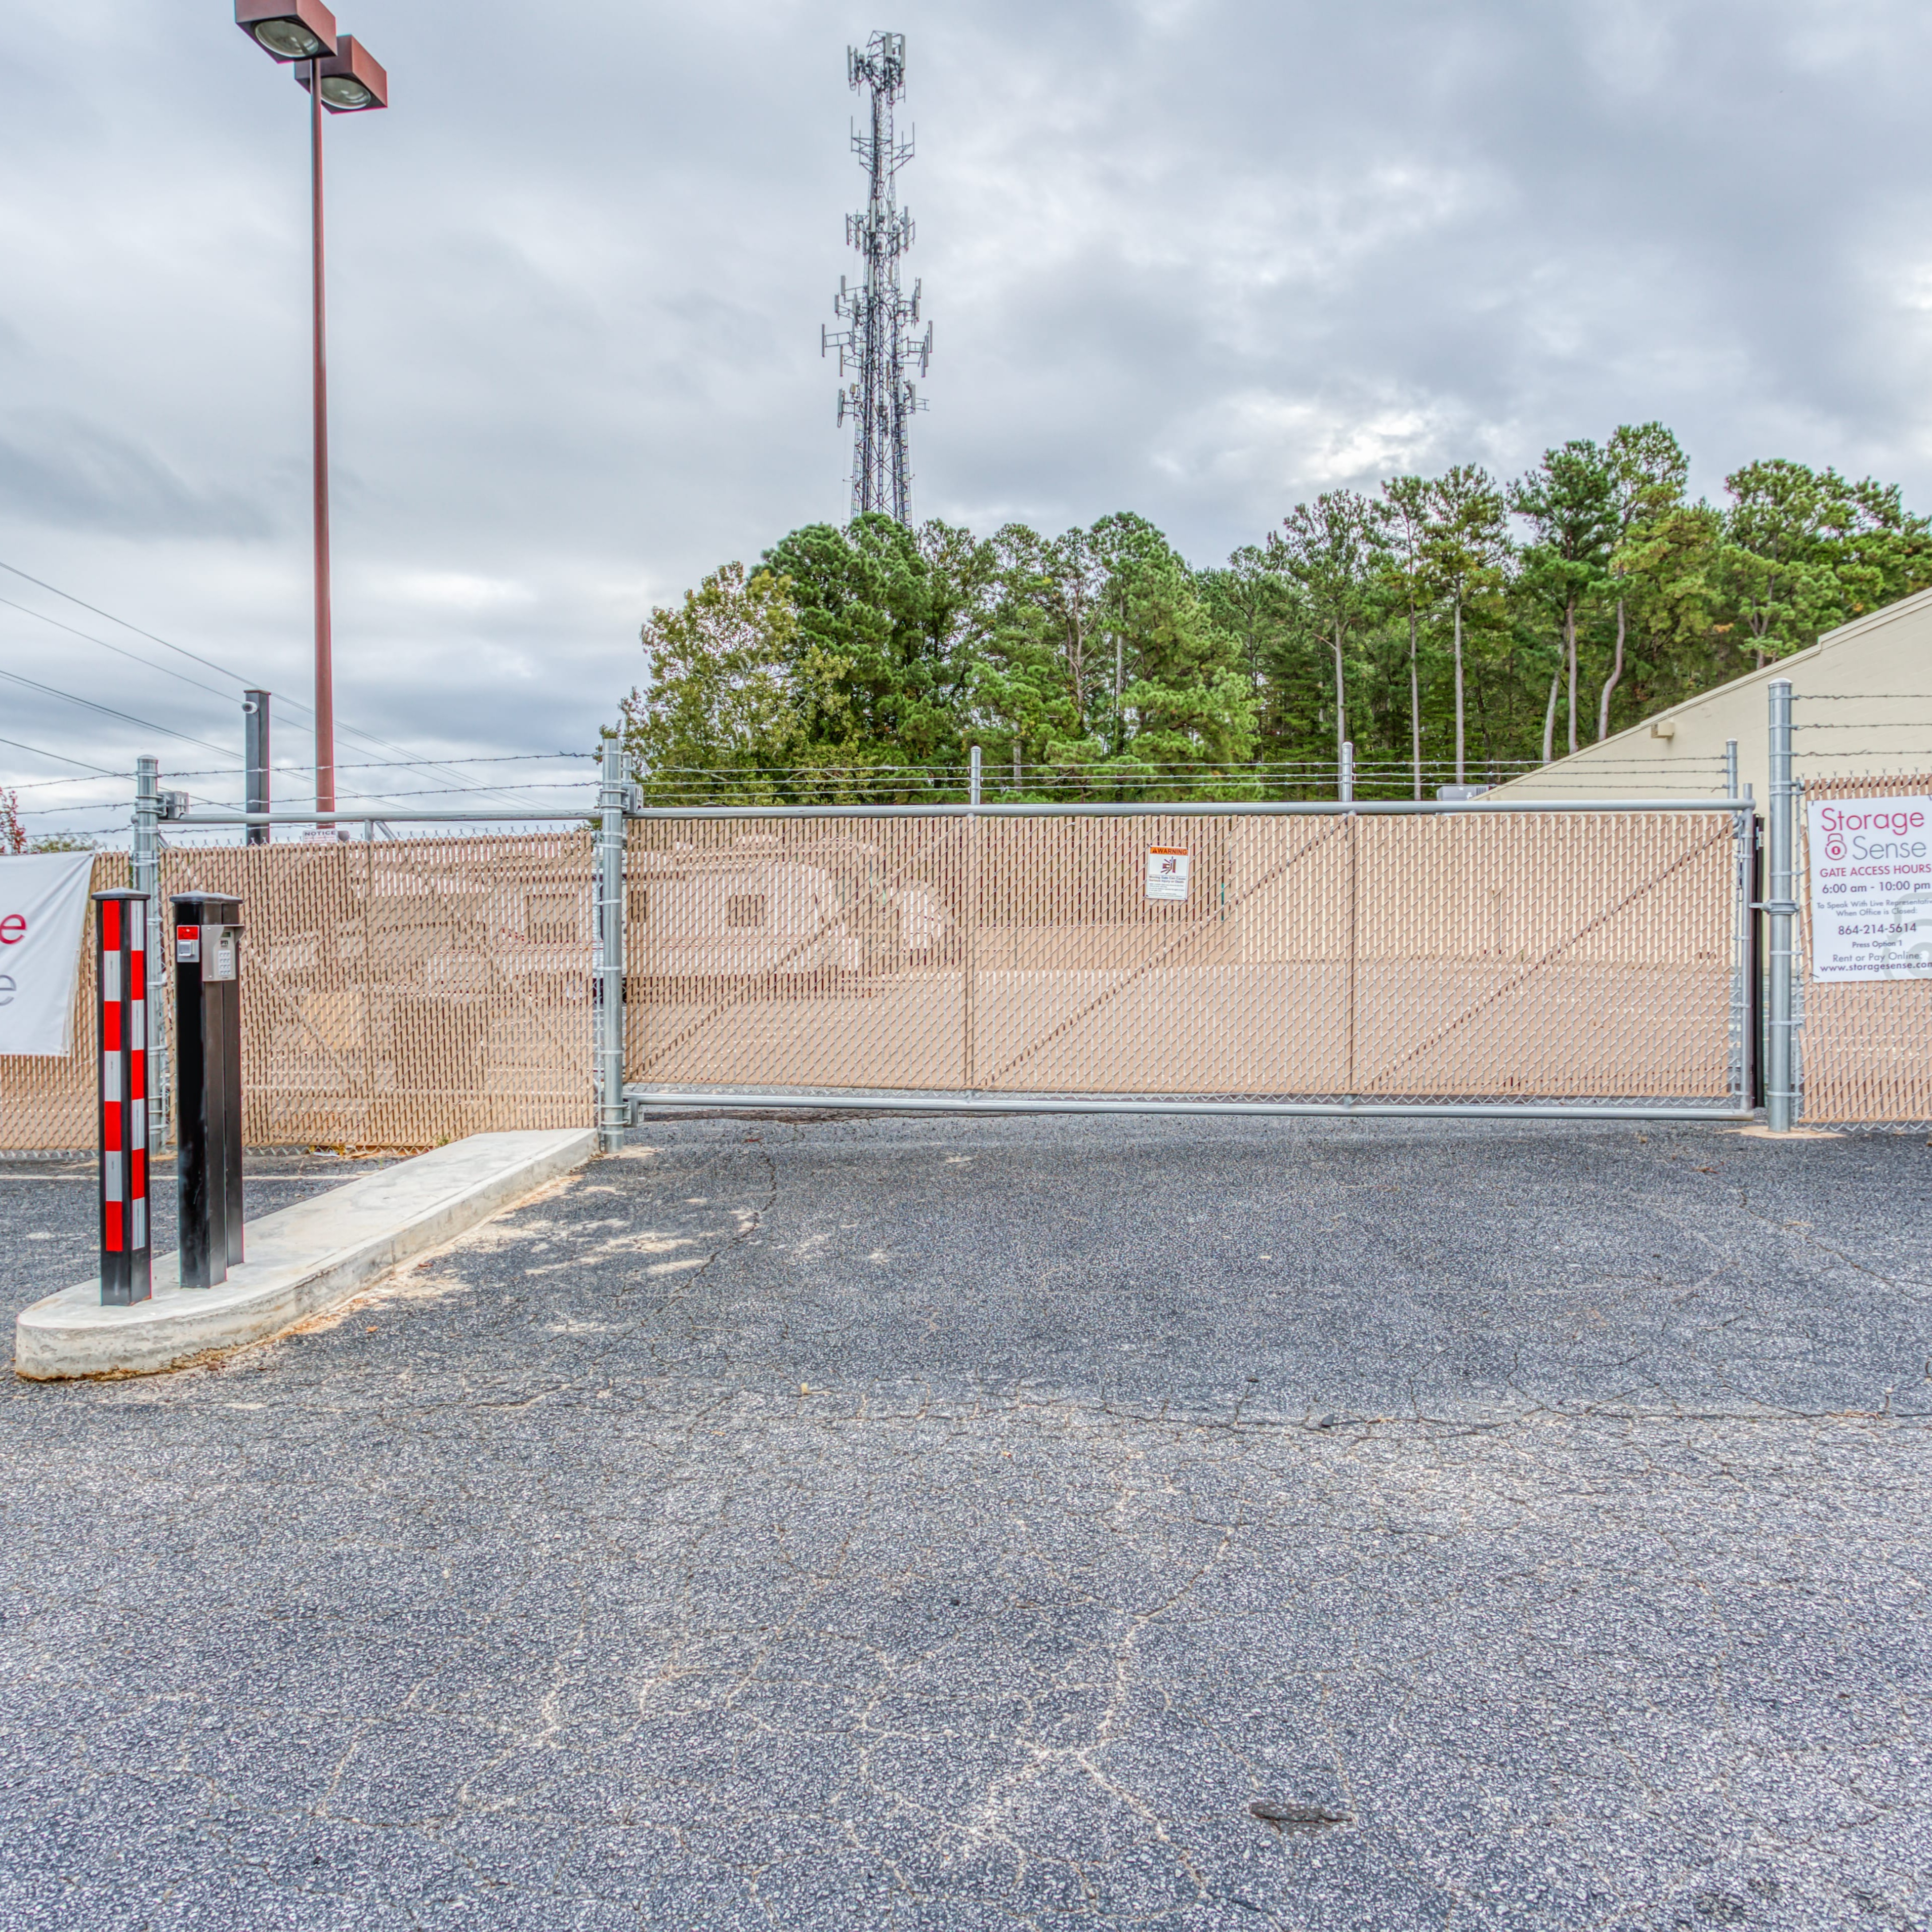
(301, 1261)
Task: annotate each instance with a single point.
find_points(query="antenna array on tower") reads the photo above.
(880, 341)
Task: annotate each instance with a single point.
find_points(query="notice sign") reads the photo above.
(42, 914)
(1871, 889)
(1167, 871)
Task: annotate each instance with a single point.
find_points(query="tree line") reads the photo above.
(1453, 626)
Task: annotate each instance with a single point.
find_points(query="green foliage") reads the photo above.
(725, 692)
(888, 619)
(15, 839)
(1451, 620)
(1803, 549)
(1333, 552)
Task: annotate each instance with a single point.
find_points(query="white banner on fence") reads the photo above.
(42, 914)
(1871, 889)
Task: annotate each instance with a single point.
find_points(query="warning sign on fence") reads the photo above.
(1167, 871)
(1871, 889)
(43, 910)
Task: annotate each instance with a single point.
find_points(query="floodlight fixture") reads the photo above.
(343, 77)
(351, 80)
(290, 30)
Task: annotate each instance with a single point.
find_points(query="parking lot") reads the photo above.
(1012, 1523)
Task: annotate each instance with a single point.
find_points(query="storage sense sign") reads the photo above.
(43, 910)
(1870, 862)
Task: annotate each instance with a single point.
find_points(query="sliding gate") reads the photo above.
(1511, 958)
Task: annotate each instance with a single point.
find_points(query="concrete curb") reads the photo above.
(304, 1260)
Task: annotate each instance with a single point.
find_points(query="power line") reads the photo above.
(180, 650)
(62, 759)
(492, 758)
(145, 724)
(454, 791)
(133, 657)
(453, 767)
(294, 704)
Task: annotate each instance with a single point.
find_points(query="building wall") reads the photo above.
(1869, 688)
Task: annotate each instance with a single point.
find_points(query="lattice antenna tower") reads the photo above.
(879, 342)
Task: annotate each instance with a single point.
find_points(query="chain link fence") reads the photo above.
(395, 993)
(1321, 955)
(48, 1104)
(405, 991)
(1865, 1046)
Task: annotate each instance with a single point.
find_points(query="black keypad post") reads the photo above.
(208, 1066)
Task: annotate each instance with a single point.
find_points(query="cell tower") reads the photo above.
(878, 343)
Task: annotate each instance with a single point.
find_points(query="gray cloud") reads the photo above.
(1193, 258)
(56, 467)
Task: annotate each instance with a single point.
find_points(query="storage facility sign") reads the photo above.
(1167, 872)
(1871, 889)
(42, 914)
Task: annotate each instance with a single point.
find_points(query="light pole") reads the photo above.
(343, 77)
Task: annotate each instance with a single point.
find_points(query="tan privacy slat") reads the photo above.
(1866, 1045)
(405, 992)
(1444, 956)
(397, 993)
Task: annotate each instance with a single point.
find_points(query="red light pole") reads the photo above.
(347, 80)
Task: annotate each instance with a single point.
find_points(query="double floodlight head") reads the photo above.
(290, 30)
(347, 75)
(350, 79)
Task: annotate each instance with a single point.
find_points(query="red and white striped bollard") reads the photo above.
(121, 927)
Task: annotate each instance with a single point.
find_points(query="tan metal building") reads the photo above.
(1861, 706)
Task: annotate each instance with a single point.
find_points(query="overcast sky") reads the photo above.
(1195, 260)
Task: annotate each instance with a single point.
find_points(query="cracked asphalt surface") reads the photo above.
(1003, 1524)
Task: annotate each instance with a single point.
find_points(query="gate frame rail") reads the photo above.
(641, 1097)
(619, 802)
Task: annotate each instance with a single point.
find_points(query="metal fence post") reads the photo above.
(970, 964)
(1730, 768)
(1744, 987)
(1780, 1091)
(145, 876)
(608, 964)
(1345, 785)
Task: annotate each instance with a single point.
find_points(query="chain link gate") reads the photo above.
(1519, 959)
(1516, 958)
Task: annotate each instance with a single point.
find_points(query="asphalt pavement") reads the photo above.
(1178, 1525)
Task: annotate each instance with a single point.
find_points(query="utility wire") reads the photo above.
(127, 718)
(60, 758)
(295, 704)
(133, 657)
(179, 649)
(455, 791)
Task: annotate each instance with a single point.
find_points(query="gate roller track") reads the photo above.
(646, 1099)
